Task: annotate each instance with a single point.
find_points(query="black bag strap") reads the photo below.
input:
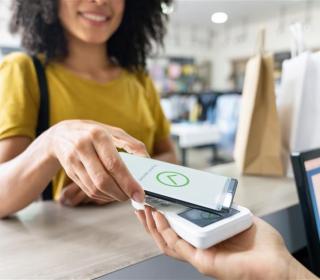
(43, 114)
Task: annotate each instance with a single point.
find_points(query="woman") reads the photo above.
(94, 52)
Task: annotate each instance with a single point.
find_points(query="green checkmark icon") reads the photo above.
(172, 179)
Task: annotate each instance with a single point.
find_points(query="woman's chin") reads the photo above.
(93, 40)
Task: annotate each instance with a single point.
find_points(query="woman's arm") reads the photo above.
(25, 170)
(86, 150)
(164, 150)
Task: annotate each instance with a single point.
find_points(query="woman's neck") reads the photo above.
(84, 57)
(90, 61)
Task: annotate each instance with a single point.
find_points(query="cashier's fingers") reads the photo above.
(182, 250)
(142, 219)
(149, 218)
(154, 231)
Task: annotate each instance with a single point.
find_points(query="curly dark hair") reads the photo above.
(143, 23)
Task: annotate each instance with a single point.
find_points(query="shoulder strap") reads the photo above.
(43, 115)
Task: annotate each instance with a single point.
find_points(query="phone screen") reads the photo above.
(194, 188)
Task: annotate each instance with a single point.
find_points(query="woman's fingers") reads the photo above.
(101, 172)
(68, 193)
(124, 141)
(101, 180)
(89, 200)
(73, 195)
(77, 199)
(112, 162)
(120, 138)
(83, 180)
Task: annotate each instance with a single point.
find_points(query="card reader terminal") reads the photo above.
(200, 228)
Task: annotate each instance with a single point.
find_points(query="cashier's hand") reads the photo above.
(257, 253)
(87, 151)
(72, 195)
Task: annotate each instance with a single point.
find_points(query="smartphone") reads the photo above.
(186, 186)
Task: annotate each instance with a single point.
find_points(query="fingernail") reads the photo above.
(138, 197)
(67, 202)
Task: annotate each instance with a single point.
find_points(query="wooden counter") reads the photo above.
(47, 240)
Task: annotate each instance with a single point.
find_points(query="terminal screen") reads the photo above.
(313, 176)
(202, 218)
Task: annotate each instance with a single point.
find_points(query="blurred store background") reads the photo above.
(200, 71)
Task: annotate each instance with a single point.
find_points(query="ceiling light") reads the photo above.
(167, 9)
(219, 17)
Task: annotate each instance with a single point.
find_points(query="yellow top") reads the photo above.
(129, 102)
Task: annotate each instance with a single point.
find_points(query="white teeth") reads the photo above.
(94, 17)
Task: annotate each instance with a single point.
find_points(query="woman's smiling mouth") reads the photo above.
(95, 18)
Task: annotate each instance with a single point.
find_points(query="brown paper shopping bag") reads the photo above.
(258, 141)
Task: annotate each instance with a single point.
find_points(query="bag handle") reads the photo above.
(261, 41)
(298, 45)
(43, 114)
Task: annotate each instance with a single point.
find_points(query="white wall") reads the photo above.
(6, 39)
(229, 43)
(241, 42)
(189, 41)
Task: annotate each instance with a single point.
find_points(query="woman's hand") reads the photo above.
(72, 195)
(257, 253)
(88, 153)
